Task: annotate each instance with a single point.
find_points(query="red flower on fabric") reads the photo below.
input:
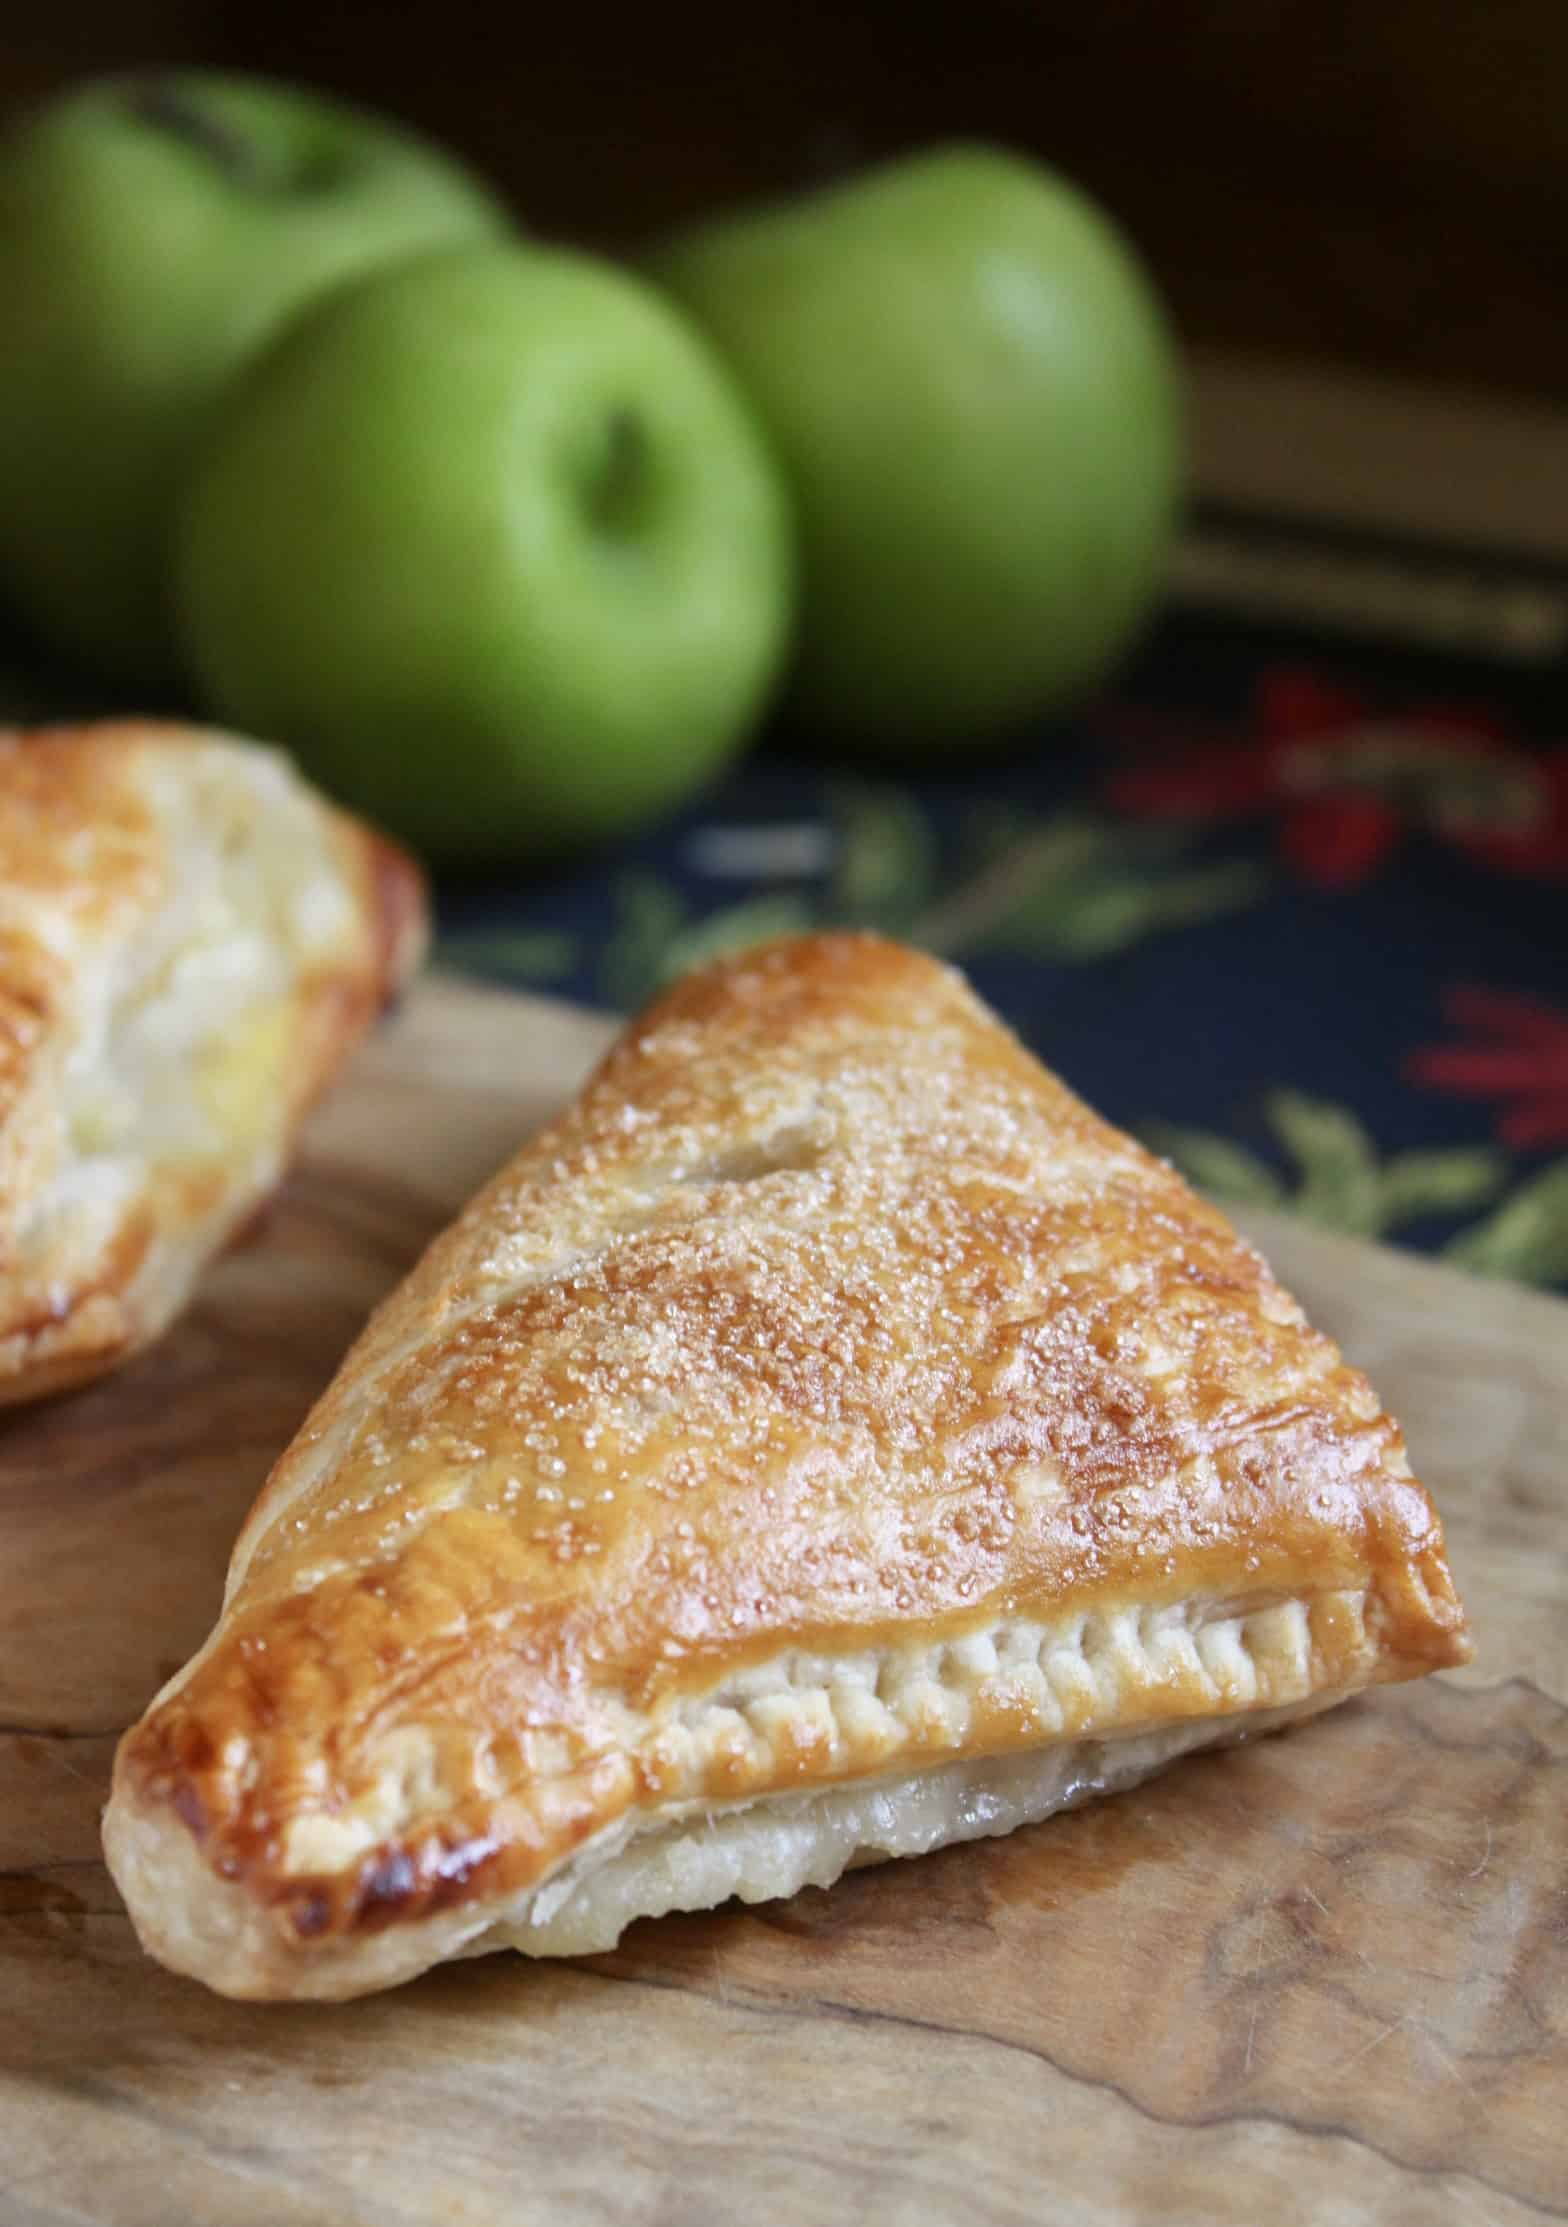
(1521, 1057)
(1348, 778)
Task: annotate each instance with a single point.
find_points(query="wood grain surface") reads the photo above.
(1324, 1978)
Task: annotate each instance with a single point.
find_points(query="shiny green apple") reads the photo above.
(155, 231)
(494, 542)
(974, 393)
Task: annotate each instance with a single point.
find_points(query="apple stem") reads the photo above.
(618, 482)
(167, 106)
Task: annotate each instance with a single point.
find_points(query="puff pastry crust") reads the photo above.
(826, 1440)
(191, 941)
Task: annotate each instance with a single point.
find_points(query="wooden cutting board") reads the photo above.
(1322, 1979)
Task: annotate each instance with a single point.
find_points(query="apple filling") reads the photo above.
(179, 1058)
(761, 1851)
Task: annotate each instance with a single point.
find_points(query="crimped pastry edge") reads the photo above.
(210, 1929)
(808, 1716)
(704, 1855)
(1184, 1669)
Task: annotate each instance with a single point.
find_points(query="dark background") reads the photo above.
(1382, 186)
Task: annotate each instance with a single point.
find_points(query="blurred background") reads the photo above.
(1295, 906)
(1368, 193)
(1379, 185)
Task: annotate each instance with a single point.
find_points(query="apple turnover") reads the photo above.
(828, 1440)
(191, 941)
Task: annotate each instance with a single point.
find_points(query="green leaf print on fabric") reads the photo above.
(1070, 888)
(1215, 1165)
(1074, 887)
(885, 857)
(513, 954)
(1526, 1237)
(757, 920)
(649, 915)
(1440, 1181)
(656, 938)
(1340, 1182)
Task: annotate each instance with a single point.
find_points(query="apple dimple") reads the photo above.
(617, 485)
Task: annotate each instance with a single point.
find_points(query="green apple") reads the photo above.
(154, 233)
(493, 540)
(974, 394)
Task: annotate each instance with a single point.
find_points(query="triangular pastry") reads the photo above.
(191, 941)
(828, 1440)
